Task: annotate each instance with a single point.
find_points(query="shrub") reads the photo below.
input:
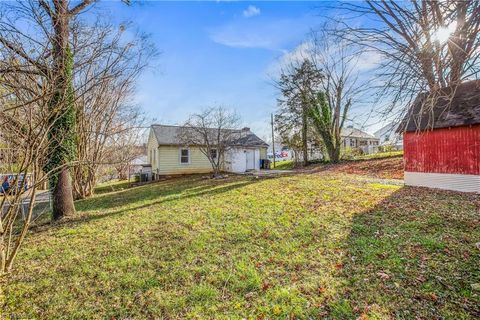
(351, 153)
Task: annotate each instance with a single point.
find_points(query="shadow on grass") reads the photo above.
(146, 196)
(112, 187)
(413, 256)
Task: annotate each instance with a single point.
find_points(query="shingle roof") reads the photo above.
(350, 132)
(170, 135)
(453, 107)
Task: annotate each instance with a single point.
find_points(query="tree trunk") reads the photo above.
(334, 155)
(333, 145)
(304, 137)
(62, 148)
(62, 195)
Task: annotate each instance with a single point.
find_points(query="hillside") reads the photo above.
(302, 246)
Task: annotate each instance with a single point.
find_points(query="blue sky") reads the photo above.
(216, 53)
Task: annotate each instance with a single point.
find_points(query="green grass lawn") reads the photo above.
(303, 246)
(283, 165)
(111, 186)
(379, 155)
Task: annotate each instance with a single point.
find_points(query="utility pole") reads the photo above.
(273, 143)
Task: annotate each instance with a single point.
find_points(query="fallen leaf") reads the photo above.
(266, 286)
(383, 275)
(363, 316)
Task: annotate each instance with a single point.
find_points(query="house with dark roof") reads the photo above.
(441, 139)
(168, 155)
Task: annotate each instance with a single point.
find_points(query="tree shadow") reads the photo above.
(413, 256)
(137, 198)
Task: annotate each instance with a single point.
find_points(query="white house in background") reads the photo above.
(167, 155)
(389, 137)
(356, 138)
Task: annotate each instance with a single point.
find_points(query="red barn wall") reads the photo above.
(448, 150)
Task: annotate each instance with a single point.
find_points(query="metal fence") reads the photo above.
(41, 206)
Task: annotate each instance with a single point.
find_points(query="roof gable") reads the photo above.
(453, 107)
(152, 137)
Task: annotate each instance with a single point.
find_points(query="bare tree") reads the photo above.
(213, 131)
(79, 60)
(125, 147)
(425, 45)
(108, 124)
(51, 75)
(52, 23)
(112, 143)
(25, 124)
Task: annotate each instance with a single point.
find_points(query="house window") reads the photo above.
(352, 143)
(184, 156)
(213, 153)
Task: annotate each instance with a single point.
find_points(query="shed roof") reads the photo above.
(454, 106)
(170, 135)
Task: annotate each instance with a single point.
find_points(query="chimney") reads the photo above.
(246, 129)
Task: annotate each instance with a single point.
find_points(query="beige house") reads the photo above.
(168, 156)
(355, 138)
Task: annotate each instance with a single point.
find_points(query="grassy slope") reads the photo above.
(381, 165)
(386, 168)
(111, 186)
(283, 165)
(380, 155)
(323, 245)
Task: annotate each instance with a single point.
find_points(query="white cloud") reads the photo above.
(365, 62)
(298, 54)
(231, 36)
(251, 11)
(368, 60)
(256, 33)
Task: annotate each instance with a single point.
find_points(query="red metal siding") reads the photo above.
(449, 150)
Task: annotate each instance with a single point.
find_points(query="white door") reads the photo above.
(250, 153)
(236, 160)
(257, 159)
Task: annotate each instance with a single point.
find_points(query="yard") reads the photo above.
(316, 245)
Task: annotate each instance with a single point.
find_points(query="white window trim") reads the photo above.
(180, 156)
